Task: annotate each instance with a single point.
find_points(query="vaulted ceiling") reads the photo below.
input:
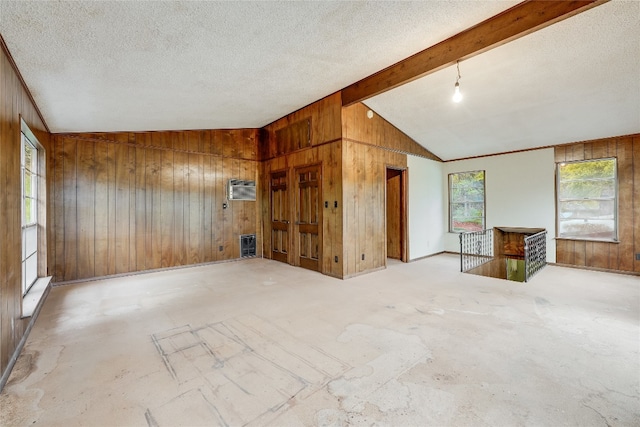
(116, 66)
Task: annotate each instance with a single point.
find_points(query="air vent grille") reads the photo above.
(238, 189)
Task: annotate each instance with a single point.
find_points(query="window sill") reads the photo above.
(588, 240)
(34, 296)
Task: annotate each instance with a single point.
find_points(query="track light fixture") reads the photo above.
(457, 95)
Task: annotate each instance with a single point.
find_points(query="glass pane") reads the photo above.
(595, 169)
(28, 184)
(28, 213)
(467, 186)
(586, 210)
(467, 224)
(31, 271)
(28, 155)
(587, 189)
(30, 242)
(593, 228)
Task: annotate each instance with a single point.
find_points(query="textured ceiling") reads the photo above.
(114, 66)
(111, 66)
(576, 80)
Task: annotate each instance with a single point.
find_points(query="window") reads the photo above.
(587, 200)
(466, 201)
(29, 168)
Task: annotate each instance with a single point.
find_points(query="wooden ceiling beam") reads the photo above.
(518, 21)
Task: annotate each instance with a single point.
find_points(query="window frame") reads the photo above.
(484, 199)
(33, 170)
(615, 199)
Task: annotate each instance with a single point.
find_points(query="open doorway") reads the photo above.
(396, 214)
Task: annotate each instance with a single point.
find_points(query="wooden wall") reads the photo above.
(355, 152)
(325, 149)
(376, 131)
(15, 103)
(126, 202)
(609, 256)
(364, 184)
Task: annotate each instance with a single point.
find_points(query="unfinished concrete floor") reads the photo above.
(258, 342)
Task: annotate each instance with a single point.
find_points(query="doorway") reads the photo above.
(279, 216)
(308, 216)
(396, 214)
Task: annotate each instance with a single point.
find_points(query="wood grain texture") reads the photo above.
(329, 156)
(518, 21)
(394, 219)
(618, 256)
(364, 203)
(141, 201)
(324, 116)
(636, 201)
(356, 126)
(16, 103)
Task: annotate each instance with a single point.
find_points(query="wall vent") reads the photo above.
(247, 245)
(238, 189)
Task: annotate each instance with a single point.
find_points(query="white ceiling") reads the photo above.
(576, 80)
(114, 66)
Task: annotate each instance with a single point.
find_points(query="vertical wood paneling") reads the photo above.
(111, 208)
(147, 200)
(180, 188)
(140, 212)
(57, 255)
(636, 201)
(86, 185)
(217, 208)
(101, 213)
(16, 103)
(167, 217)
(70, 209)
(625, 250)
(122, 202)
(377, 131)
(603, 255)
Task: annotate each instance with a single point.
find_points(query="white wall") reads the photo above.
(427, 210)
(520, 192)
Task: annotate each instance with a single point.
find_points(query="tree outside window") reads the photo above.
(466, 201)
(587, 200)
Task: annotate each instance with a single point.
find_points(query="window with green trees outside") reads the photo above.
(587, 200)
(466, 201)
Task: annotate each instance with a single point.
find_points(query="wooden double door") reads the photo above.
(296, 216)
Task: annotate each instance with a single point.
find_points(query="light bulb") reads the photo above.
(457, 95)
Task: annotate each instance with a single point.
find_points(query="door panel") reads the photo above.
(396, 214)
(279, 216)
(309, 216)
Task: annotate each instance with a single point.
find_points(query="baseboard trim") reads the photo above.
(427, 256)
(155, 270)
(603, 270)
(23, 340)
(371, 270)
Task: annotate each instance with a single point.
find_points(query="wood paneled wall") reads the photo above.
(15, 103)
(325, 125)
(355, 152)
(127, 202)
(325, 149)
(364, 183)
(609, 256)
(356, 126)
(330, 156)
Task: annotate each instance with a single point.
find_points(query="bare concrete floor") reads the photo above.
(258, 342)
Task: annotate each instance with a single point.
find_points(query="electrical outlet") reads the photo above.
(362, 257)
(220, 248)
(335, 204)
(335, 258)
(638, 256)
(326, 203)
